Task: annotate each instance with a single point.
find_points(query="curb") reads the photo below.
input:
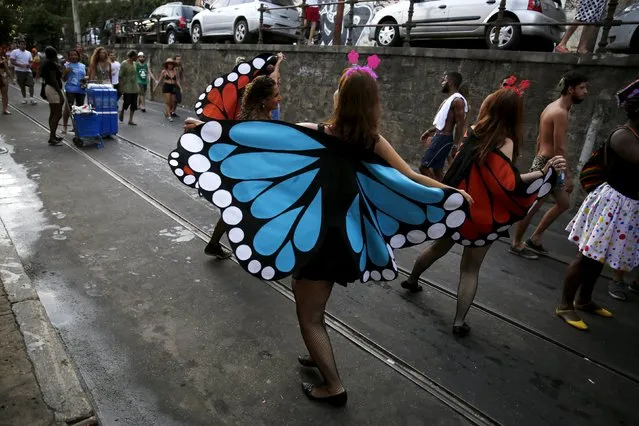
(54, 370)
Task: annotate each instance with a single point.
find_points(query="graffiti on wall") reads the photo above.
(363, 15)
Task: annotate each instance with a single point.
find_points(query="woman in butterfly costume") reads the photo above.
(485, 168)
(325, 203)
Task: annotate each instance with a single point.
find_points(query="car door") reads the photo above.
(215, 18)
(433, 13)
(228, 15)
(284, 18)
(471, 12)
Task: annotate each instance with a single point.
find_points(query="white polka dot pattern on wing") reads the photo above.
(209, 181)
(454, 201)
(436, 231)
(456, 236)
(243, 252)
(503, 228)
(397, 241)
(211, 131)
(199, 163)
(480, 243)
(232, 77)
(173, 163)
(492, 237)
(455, 219)
(222, 198)
(175, 154)
(465, 243)
(191, 142)
(416, 236)
(209, 87)
(201, 97)
(179, 172)
(244, 68)
(236, 235)
(254, 266)
(544, 190)
(218, 82)
(388, 274)
(366, 276)
(198, 104)
(268, 273)
(232, 216)
(376, 276)
(532, 207)
(534, 186)
(199, 111)
(258, 63)
(189, 179)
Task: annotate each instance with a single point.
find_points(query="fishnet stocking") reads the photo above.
(468, 278)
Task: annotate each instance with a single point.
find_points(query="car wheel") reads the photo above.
(388, 35)
(170, 37)
(509, 35)
(241, 32)
(196, 33)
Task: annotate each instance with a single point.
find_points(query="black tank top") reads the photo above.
(623, 176)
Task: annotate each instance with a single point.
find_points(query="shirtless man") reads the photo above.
(439, 140)
(552, 141)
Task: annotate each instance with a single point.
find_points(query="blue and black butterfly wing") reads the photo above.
(391, 211)
(221, 99)
(280, 187)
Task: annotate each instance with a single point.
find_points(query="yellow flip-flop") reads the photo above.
(593, 308)
(579, 325)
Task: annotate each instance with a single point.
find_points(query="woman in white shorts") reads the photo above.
(51, 73)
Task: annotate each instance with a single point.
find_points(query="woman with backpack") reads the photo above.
(606, 227)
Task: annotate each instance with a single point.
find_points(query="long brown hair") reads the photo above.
(500, 117)
(260, 90)
(95, 58)
(356, 116)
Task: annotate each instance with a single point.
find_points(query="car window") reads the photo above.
(236, 2)
(160, 11)
(220, 3)
(174, 11)
(282, 2)
(188, 12)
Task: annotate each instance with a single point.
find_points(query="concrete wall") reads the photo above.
(409, 82)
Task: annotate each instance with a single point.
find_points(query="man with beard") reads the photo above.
(451, 116)
(552, 141)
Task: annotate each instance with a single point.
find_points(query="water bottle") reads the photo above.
(275, 114)
(561, 178)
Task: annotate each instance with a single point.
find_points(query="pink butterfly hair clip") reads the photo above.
(511, 84)
(372, 62)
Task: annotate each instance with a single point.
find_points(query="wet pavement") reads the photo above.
(164, 335)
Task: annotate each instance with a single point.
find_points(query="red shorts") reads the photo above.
(312, 14)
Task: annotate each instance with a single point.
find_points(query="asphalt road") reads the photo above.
(163, 335)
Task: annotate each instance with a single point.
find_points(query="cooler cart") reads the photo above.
(87, 125)
(103, 99)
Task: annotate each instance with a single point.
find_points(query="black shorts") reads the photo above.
(130, 100)
(75, 98)
(169, 88)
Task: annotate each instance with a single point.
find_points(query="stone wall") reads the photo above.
(410, 89)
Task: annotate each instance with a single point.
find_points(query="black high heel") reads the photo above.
(338, 400)
(306, 361)
(461, 330)
(414, 288)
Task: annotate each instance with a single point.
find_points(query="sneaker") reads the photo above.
(174, 115)
(536, 248)
(24, 101)
(218, 251)
(169, 118)
(523, 252)
(121, 115)
(634, 287)
(33, 102)
(616, 290)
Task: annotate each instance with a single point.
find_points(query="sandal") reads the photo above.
(524, 252)
(413, 288)
(536, 248)
(560, 49)
(593, 308)
(565, 315)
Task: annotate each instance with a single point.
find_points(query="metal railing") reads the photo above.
(501, 21)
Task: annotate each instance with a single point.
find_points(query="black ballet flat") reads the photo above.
(461, 330)
(306, 361)
(338, 400)
(414, 288)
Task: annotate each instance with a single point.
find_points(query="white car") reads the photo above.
(240, 20)
(439, 13)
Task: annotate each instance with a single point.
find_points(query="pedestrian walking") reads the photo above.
(552, 141)
(179, 69)
(21, 60)
(35, 65)
(84, 58)
(115, 72)
(143, 70)
(100, 66)
(491, 149)
(606, 227)
(4, 83)
(51, 72)
(451, 117)
(171, 83)
(74, 75)
(590, 12)
(129, 86)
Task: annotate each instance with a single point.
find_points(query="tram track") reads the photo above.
(471, 413)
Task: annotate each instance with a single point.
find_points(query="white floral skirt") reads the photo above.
(606, 228)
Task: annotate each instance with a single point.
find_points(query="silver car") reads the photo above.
(240, 20)
(625, 38)
(438, 14)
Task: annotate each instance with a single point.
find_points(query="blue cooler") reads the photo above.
(87, 125)
(104, 100)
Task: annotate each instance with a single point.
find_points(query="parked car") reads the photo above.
(169, 22)
(439, 13)
(625, 38)
(239, 20)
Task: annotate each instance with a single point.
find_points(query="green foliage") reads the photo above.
(41, 22)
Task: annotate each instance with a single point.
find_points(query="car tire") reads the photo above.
(196, 33)
(171, 37)
(510, 35)
(241, 33)
(388, 36)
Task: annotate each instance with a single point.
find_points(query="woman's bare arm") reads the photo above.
(626, 145)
